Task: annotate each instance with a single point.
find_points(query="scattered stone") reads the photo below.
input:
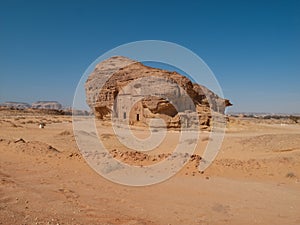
(53, 149)
(65, 133)
(20, 140)
(290, 175)
(74, 155)
(42, 125)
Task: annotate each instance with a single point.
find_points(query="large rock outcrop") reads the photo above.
(126, 89)
(46, 105)
(16, 105)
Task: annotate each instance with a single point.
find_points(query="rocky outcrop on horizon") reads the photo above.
(17, 105)
(46, 105)
(36, 105)
(42, 107)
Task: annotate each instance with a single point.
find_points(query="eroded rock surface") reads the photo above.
(128, 90)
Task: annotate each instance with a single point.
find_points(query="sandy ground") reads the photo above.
(44, 180)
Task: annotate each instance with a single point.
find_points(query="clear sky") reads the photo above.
(253, 47)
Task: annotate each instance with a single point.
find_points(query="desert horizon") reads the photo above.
(149, 112)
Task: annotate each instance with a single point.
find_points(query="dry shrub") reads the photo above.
(290, 175)
(65, 132)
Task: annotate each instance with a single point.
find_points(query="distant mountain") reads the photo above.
(17, 105)
(43, 107)
(46, 105)
(36, 105)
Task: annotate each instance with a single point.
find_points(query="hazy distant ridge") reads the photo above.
(36, 105)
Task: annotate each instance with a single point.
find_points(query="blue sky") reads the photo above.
(252, 47)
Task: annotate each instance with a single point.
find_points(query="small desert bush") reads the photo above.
(19, 118)
(294, 118)
(290, 175)
(64, 133)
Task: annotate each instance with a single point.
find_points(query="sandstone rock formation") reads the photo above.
(128, 90)
(16, 105)
(46, 105)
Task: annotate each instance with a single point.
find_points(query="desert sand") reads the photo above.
(255, 178)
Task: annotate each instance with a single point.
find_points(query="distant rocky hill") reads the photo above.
(36, 105)
(39, 107)
(112, 78)
(17, 105)
(46, 105)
